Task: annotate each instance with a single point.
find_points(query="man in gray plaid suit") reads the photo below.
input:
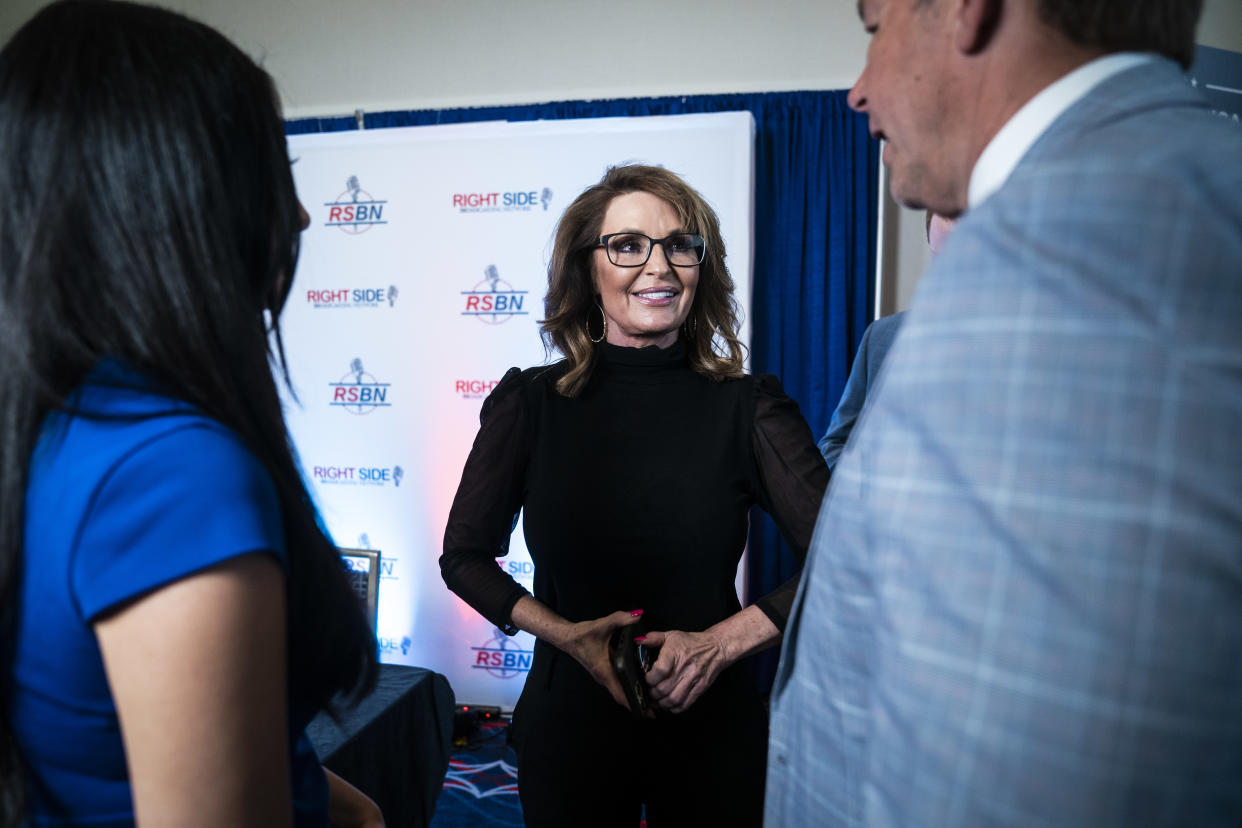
(1023, 602)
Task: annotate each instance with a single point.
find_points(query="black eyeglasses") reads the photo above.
(634, 249)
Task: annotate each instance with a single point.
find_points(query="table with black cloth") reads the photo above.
(394, 744)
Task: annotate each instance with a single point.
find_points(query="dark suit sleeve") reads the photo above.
(485, 509)
(848, 409)
(791, 478)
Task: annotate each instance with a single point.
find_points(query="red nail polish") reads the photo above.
(639, 639)
(636, 613)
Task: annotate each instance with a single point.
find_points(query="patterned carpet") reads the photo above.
(480, 788)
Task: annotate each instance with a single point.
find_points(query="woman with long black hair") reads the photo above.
(172, 613)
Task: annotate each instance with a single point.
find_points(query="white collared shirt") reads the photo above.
(1011, 142)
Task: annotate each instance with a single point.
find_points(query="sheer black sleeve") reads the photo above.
(485, 509)
(791, 477)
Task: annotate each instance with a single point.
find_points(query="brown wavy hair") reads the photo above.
(710, 330)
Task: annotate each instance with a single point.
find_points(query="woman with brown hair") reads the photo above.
(636, 460)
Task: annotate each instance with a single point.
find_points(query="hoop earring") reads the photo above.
(603, 329)
(691, 326)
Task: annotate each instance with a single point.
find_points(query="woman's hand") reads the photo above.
(587, 642)
(690, 662)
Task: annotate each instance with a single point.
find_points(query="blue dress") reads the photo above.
(140, 493)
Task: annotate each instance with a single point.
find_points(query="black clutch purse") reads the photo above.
(631, 661)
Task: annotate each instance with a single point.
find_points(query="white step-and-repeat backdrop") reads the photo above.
(421, 282)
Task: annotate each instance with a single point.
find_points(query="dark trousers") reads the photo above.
(582, 761)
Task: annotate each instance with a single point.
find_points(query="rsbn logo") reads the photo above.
(359, 392)
(355, 211)
(501, 658)
(493, 301)
(388, 570)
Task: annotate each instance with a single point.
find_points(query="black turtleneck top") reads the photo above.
(635, 494)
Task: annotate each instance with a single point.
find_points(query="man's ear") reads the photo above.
(976, 24)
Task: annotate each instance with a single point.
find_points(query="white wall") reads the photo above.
(331, 57)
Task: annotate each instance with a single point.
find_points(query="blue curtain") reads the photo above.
(816, 179)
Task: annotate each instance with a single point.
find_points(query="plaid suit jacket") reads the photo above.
(1023, 601)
